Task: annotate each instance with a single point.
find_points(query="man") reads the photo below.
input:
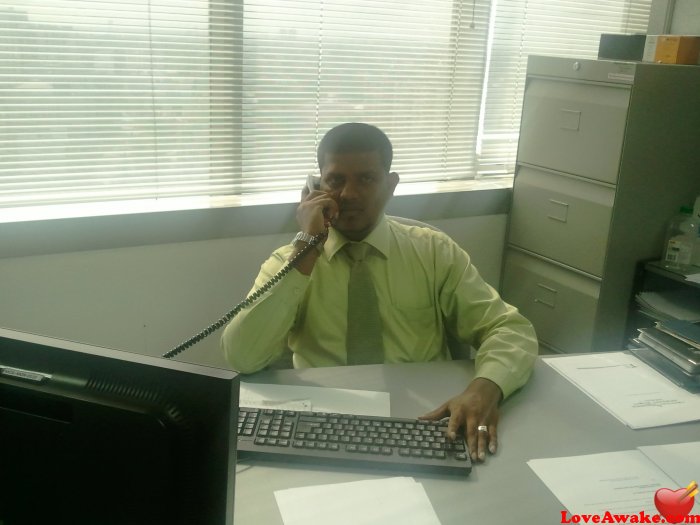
(422, 287)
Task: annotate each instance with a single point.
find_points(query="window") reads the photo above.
(518, 28)
(160, 99)
(412, 67)
(105, 100)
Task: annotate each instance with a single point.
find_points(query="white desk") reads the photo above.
(549, 417)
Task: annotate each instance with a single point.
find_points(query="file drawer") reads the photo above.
(563, 218)
(561, 304)
(574, 127)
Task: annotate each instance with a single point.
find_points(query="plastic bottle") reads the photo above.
(681, 237)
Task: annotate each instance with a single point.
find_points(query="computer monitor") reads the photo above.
(90, 435)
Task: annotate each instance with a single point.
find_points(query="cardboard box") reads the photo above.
(650, 48)
(672, 49)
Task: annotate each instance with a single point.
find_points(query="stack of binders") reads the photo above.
(673, 348)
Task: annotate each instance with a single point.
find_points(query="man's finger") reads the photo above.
(456, 420)
(493, 439)
(472, 439)
(436, 414)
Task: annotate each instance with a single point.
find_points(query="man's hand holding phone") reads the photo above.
(315, 213)
(317, 210)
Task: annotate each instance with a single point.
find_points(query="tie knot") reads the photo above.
(357, 251)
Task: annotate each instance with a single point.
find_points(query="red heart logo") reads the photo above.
(674, 505)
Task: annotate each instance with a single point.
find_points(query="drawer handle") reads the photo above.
(540, 301)
(551, 303)
(560, 211)
(570, 119)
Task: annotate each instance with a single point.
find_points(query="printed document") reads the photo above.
(630, 390)
(315, 398)
(680, 461)
(373, 502)
(619, 482)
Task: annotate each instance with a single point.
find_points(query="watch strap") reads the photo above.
(307, 238)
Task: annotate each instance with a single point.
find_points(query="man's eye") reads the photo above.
(368, 178)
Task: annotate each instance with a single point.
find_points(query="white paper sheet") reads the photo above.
(633, 392)
(373, 502)
(317, 399)
(620, 482)
(693, 277)
(680, 461)
(672, 304)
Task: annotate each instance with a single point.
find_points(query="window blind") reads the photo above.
(411, 67)
(154, 99)
(104, 100)
(518, 28)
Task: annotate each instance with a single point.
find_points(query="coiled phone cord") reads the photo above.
(315, 241)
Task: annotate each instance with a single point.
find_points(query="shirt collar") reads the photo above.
(378, 238)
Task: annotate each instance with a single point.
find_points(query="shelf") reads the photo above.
(676, 275)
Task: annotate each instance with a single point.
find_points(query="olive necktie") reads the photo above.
(364, 335)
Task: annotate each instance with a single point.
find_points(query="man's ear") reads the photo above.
(393, 180)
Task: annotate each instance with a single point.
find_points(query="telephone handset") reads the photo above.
(312, 183)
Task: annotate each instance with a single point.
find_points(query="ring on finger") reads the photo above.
(482, 428)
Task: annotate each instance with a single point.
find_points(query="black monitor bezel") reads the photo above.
(192, 408)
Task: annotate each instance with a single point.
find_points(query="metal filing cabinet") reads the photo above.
(608, 151)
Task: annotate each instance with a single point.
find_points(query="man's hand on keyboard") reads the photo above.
(476, 407)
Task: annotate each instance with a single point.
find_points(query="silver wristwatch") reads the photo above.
(307, 238)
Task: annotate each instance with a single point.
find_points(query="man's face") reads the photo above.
(361, 186)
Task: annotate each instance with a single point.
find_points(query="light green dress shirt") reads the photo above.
(426, 287)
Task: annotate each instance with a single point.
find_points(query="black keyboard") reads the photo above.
(378, 443)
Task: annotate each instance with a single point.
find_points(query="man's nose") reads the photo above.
(350, 191)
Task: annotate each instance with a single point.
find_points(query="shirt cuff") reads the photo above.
(506, 380)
